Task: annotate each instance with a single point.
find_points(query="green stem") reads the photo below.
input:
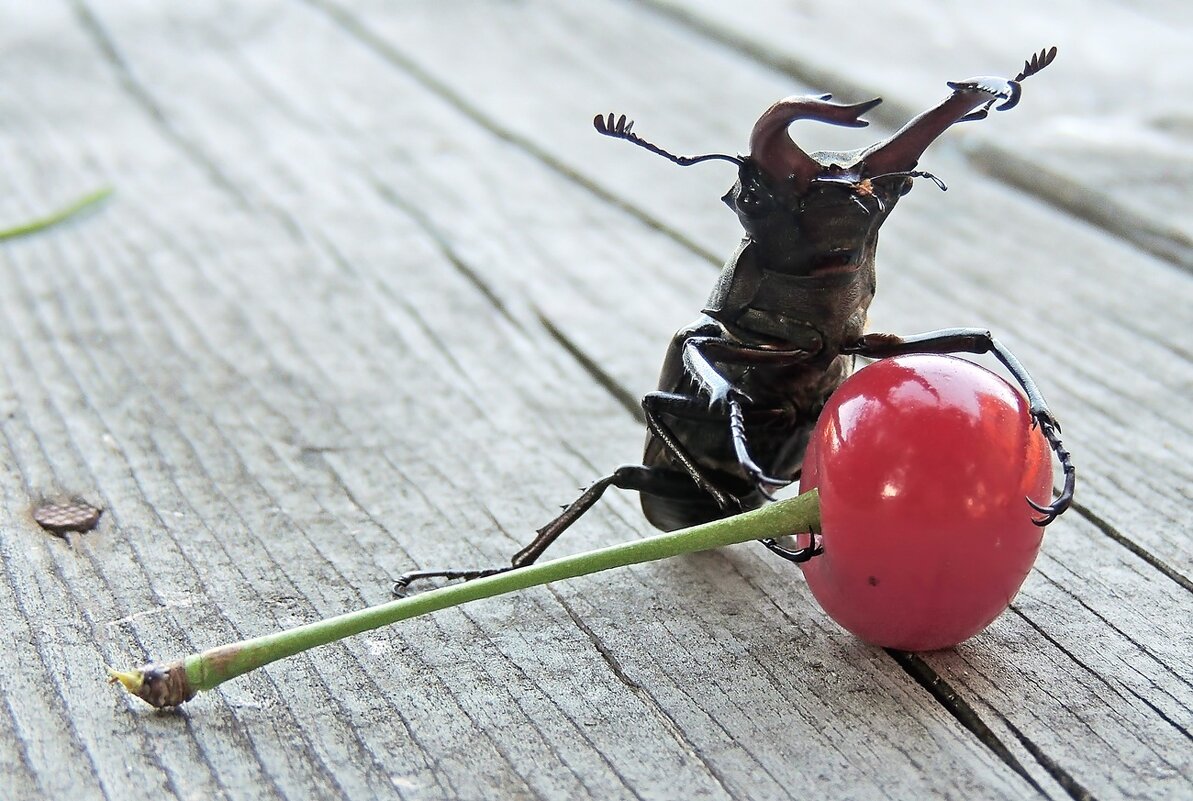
(52, 219)
(173, 683)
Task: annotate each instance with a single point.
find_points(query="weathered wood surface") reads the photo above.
(372, 295)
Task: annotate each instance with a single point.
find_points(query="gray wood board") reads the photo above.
(328, 329)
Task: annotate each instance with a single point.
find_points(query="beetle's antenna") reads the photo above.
(1037, 63)
(971, 99)
(913, 174)
(1010, 95)
(621, 128)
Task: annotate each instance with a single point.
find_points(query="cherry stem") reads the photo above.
(170, 684)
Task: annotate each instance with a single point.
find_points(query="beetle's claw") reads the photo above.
(402, 583)
(724, 395)
(1062, 501)
(797, 555)
(732, 394)
(1050, 428)
(764, 489)
(737, 425)
(1043, 416)
(1049, 512)
(767, 484)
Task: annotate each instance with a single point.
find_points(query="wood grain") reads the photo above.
(372, 295)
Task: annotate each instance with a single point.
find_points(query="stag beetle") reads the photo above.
(741, 388)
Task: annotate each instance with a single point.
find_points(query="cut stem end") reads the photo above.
(157, 685)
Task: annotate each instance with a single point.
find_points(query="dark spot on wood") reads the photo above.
(872, 581)
(59, 518)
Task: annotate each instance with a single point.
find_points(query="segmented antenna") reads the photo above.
(1013, 89)
(1037, 63)
(914, 174)
(846, 180)
(622, 128)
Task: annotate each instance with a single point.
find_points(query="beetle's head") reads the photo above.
(821, 212)
(828, 225)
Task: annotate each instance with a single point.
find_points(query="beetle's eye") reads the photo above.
(754, 198)
(751, 203)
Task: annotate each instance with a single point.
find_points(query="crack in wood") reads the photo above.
(1071, 786)
(357, 30)
(959, 708)
(626, 399)
(1160, 713)
(143, 98)
(466, 270)
(668, 723)
(1103, 680)
(1134, 547)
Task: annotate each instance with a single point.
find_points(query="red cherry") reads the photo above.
(923, 464)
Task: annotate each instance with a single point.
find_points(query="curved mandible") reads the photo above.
(970, 100)
(772, 148)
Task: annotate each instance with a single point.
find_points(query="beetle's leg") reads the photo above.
(977, 340)
(698, 408)
(700, 355)
(815, 547)
(655, 404)
(649, 480)
(402, 582)
(737, 425)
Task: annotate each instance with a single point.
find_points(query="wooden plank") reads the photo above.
(277, 308)
(200, 373)
(1159, 590)
(1108, 136)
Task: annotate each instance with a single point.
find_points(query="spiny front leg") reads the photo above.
(657, 404)
(700, 356)
(737, 427)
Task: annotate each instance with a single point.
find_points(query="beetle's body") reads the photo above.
(741, 388)
(808, 303)
(787, 402)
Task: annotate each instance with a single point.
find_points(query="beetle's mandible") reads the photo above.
(741, 387)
